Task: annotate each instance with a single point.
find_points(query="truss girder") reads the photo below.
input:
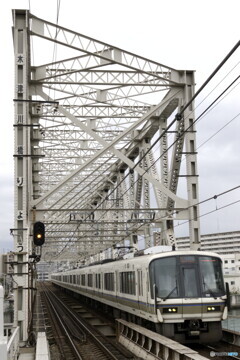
(95, 169)
(99, 51)
(97, 77)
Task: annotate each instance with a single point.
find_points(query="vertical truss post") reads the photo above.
(22, 245)
(191, 164)
(146, 191)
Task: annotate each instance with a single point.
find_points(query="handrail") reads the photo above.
(149, 345)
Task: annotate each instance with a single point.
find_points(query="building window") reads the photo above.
(232, 261)
(232, 282)
(225, 261)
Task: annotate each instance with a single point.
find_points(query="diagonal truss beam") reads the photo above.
(110, 147)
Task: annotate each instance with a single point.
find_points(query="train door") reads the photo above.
(117, 284)
(140, 289)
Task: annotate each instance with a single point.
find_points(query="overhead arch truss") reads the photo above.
(102, 144)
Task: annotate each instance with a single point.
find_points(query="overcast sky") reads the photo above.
(186, 34)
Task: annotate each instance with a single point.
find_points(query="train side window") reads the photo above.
(83, 279)
(140, 283)
(127, 282)
(90, 280)
(109, 281)
(98, 281)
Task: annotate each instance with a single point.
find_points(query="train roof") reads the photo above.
(142, 259)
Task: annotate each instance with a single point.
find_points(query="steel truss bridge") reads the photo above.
(100, 137)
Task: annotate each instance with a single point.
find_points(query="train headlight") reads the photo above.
(213, 308)
(170, 310)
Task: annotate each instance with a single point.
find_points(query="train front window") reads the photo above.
(189, 282)
(211, 276)
(186, 276)
(163, 273)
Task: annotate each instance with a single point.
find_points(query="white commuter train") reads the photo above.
(179, 294)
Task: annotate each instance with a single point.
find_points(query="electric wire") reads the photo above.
(218, 131)
(199, 216)
(190, 126)
(217, 85)
(187, 221)
(211, 76)
(210, 212)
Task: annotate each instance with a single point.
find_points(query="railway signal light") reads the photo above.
(38, 233)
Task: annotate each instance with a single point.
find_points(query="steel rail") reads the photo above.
(97, 337)
(67, 333)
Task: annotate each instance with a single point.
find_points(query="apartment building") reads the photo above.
(228, 246)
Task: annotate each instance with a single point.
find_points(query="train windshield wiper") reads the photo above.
(207, 289)
(168, 295)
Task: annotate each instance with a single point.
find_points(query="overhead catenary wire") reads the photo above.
(201, 202)
(218, 131)
(212, 211)
(211, 76)
(197, 119)
(158, 219)
(185, 222)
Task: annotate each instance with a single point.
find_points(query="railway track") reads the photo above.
(218, 351)
(72, 337)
